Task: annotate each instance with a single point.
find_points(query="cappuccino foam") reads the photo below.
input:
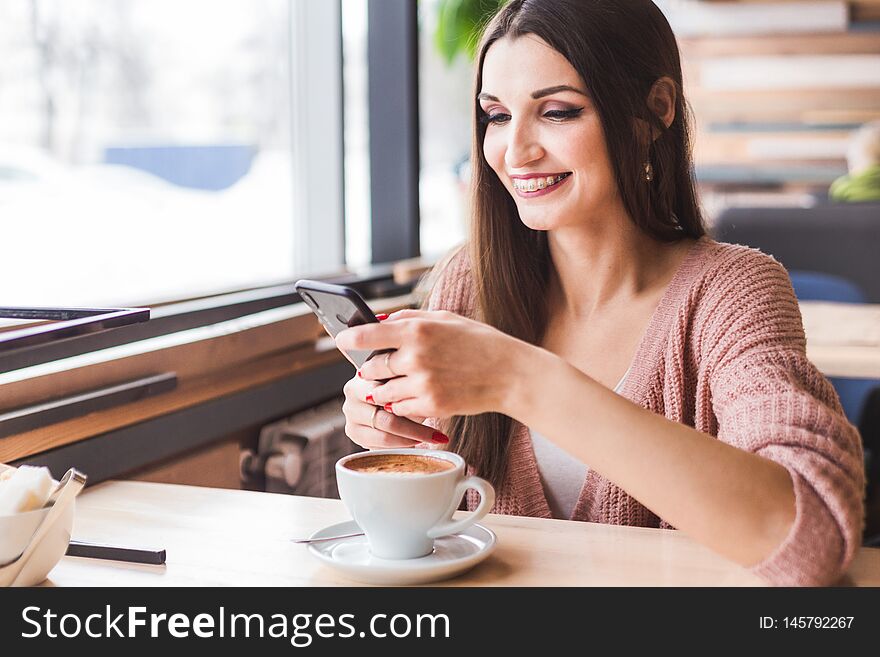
(407, 464)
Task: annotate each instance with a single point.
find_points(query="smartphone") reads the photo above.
(338, 307)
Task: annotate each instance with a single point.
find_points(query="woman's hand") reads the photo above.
(373, 428)
(444, 364)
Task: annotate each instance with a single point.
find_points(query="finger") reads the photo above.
(412, 407)
(359, 401)
(365, 390)
(398, 426)
(393, 390)
(407, 313)
(359, 404)
(434, 315)
(381, 367)
(370, 337)
(358, 389)
(347, 357)
(374, 439)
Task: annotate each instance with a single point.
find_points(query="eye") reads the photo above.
(563, 115)
(495, 117)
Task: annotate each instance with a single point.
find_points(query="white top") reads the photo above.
(562, 475)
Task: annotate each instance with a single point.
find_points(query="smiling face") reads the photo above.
(544, 139)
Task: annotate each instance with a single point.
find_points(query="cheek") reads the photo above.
(589, 153)
(493, 151)
(582, 148)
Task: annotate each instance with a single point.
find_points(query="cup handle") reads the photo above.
(487, 499)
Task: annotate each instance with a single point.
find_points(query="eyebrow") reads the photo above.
(540, 93)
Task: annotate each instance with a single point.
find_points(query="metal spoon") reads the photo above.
(53, 498)
(68, 488)
(324, 538)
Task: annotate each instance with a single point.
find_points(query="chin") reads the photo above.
(543, 219)
(538, 224)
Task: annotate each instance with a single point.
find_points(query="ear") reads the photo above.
(661, 101)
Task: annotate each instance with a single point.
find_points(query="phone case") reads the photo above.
(338, 307)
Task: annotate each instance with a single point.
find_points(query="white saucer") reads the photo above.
(452, 556)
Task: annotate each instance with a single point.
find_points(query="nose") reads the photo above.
(523, 146)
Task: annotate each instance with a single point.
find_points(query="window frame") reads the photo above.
(317, 100)
(67, 323)
(373, 282)
(393, 60)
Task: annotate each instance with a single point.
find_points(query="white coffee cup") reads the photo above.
(402, 513)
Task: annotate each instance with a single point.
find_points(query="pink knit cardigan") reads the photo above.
(724, 353)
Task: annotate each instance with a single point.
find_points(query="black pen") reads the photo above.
(115, 553)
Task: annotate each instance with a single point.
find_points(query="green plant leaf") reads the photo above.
(459, 25)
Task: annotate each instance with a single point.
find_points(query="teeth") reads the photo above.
(535, 184)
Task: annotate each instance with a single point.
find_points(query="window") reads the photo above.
(225, 361)
(153, 150)
(445, 102)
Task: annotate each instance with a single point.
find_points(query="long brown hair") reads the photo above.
(620, 48)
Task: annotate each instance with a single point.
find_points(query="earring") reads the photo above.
(649, 172)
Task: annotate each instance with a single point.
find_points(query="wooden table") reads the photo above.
(843, 339)
(220, 537)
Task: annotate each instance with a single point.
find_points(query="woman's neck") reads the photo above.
(595, 269)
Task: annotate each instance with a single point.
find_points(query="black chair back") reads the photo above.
(842, 239)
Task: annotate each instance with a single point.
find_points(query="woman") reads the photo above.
(591, 352)
(862, 182)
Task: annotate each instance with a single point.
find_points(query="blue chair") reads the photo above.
(819, 286)
(860, 398)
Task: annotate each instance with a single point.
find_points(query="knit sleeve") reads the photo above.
(769, 399)
(452, 290)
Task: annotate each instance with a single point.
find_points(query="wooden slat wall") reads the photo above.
(859, 10)
(802, 123)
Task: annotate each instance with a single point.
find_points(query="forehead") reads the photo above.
(524, 64)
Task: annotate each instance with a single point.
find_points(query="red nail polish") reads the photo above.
(381, 316)
(438, 437)
(370, 399)
(360, 375)
(387, 407)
